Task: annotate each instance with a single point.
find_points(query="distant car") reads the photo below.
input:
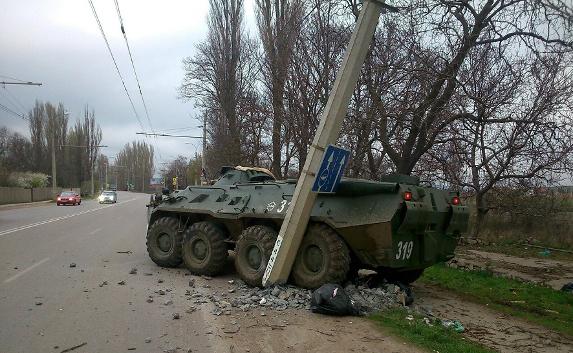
(107, 196)
(68, 198)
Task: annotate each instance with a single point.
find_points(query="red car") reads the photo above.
(68, 198)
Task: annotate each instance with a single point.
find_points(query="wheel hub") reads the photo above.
(164, 242)
(254, 257)
(199, 249)
(313, 258)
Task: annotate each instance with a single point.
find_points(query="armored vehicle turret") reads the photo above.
(393, 226)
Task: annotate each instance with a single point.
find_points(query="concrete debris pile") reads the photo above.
(370, 300)
(246, 298)
(282, 297)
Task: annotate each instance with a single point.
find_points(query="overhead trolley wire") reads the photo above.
(132, 63)
(10, 111)
(15, 99)
(156, 146)
(12, 78)
(114, 62)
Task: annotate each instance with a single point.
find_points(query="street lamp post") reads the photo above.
(54, 172)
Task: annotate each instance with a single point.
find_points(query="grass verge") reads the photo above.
(540, 305)
(432, 338)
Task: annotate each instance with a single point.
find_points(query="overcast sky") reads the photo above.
(58, 43)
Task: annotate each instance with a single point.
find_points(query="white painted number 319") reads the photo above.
(404, 250)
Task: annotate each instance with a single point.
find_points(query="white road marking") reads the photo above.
(26, 270)
(94, 231)
(28, 226)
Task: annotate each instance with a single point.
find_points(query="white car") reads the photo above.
(107, 196)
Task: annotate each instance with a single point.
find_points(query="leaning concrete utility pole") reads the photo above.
(298, 214)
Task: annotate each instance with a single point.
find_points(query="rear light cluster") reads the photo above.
(456, 201)
(407, 196)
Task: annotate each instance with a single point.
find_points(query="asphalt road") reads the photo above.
(48, 306)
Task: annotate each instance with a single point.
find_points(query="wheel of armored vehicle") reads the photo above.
(322, 258)
(252, 253)
(164, 242)
(204, 249)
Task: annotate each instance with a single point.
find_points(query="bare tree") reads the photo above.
(444, 34)
(37, 118)
(219, 76)
(279, 25)
(317, 52)
(518, 128)
(134, 166)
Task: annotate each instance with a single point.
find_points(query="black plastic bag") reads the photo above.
(567, 287)
(331, 299)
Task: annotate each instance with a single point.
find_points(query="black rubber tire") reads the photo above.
(335, 258)
(259, 237)
(405, 277)
(165, 258)
(216, 249)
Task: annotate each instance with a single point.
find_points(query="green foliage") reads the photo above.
(435, 338)
(538, 304)
(28, 180)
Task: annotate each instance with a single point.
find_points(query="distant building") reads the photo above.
(156, 184)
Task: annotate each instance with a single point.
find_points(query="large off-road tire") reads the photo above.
(252, 253)
(323, 257)
(204, 249)
(405, 277)
(164, 242)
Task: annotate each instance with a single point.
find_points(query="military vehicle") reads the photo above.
(393, 226)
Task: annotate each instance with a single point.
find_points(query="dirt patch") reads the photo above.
(489, 327)
(301, 331)
(553, 273)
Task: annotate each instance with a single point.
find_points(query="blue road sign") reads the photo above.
(331, 169)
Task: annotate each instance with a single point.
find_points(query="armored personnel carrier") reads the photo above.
(393, 226)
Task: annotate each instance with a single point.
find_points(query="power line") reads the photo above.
(13, 105)
(15, 99)
(136, 76)
(12, 78)
(10, 111)
(175, 129)
(167, 135)
(132, 64)
(115, 63)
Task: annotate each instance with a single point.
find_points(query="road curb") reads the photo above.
(13, 206)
